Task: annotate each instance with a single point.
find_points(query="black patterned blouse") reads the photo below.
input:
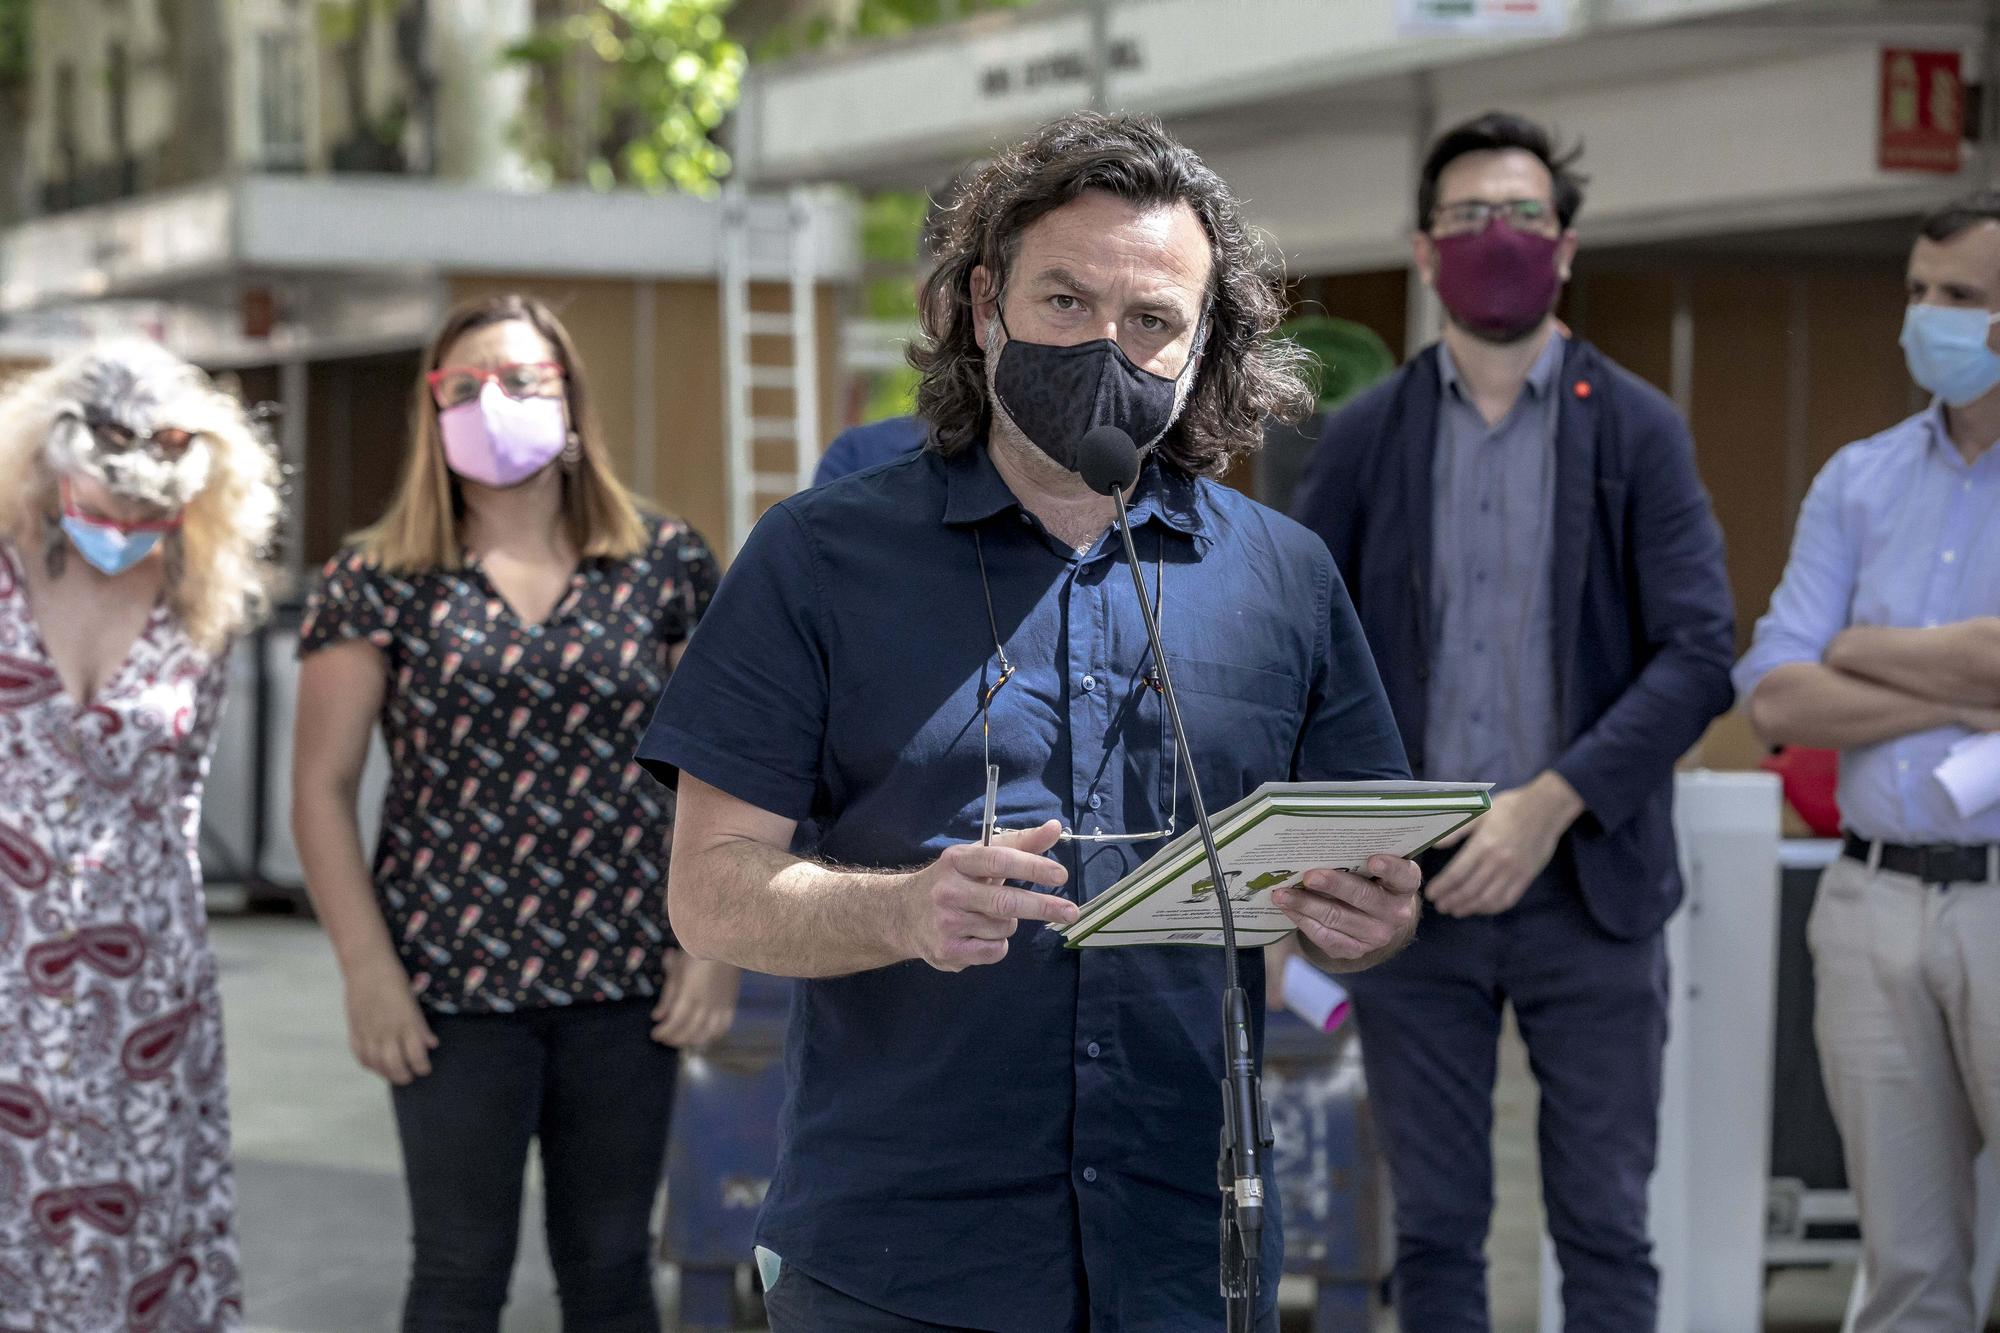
(522, 858)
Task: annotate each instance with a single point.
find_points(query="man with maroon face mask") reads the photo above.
(1540, 576)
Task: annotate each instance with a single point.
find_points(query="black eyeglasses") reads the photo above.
(987, 827)
(1473, 215)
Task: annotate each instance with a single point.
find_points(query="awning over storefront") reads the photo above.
(348, 262)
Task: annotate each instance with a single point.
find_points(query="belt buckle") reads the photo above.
(1929, 855)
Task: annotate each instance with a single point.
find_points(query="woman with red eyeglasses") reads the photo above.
(135, 504)
(508, 966)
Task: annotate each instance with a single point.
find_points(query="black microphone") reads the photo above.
(1108, 462)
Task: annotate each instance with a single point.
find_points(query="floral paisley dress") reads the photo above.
(116, 1198)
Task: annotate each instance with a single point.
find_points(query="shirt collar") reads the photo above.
(975, 492)
(1541, 376)
(1938, 431)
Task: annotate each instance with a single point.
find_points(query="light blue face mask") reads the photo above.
(108, 548)
(1947, 351)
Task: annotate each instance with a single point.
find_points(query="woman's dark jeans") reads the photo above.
(589, 1082)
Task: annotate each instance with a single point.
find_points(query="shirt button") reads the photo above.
(1485, 506)
(1479, 645)
(1089, 684)
(1091, 1050)
(1902, 765)
(1089, 1175)
(1949, 556)
(1097, 800)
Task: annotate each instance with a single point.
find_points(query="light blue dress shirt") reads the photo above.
(1897, 530)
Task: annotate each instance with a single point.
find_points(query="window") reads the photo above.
(281, 94)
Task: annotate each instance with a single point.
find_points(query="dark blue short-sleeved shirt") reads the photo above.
(861, 447)
(1027, 1147)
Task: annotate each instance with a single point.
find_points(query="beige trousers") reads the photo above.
(1907, 977)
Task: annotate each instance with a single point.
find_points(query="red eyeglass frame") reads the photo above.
(431, 377)
(150, 440)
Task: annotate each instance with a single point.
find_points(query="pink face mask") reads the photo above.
(500, 441)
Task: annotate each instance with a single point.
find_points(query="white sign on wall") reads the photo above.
(1481, 18)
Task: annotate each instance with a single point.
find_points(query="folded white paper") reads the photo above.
(1267, 841)
(1970, 774)
(1313, 995)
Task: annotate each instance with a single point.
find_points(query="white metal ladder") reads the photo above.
(766, 238)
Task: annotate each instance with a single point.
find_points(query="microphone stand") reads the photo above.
(1246, 1129)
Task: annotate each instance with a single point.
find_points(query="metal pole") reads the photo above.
(1100, 55)
(1989, 99)
(293, 379)
(1423, 317)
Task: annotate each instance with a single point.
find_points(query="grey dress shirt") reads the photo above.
(1493, 715)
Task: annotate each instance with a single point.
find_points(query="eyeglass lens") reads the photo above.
(117, 437)
(1475, 214)
(461, 384)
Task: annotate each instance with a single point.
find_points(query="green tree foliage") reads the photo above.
(890, 223)
(14, 23)
(640, 85)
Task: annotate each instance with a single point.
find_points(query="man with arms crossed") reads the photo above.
(1883, 642)
(985, 1130)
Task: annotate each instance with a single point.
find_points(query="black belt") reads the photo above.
(1938, 863)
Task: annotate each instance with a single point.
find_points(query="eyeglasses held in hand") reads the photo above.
(520, 380)
(987, 827)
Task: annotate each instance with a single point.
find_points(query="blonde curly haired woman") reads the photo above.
(135, 505)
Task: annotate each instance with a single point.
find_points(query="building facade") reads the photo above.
(294, 193)
(1743, 240)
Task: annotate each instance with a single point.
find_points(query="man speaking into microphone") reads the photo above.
(986, 1130)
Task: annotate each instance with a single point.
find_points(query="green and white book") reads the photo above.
(1269, 840)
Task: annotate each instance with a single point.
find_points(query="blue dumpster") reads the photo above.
(723, 1151)
(1328, 1171)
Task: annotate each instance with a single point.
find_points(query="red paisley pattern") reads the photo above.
(115, 950)
(151, 1049)
(111, 1207)
(149, 1294)
(22, 859)
(114, 1131)
(23, 1113)
(23, 681)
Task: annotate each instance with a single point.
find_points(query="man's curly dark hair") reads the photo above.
(1246, 376)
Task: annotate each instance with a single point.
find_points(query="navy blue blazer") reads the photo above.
(1643, 619)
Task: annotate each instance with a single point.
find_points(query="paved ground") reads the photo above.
(323, 1217)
